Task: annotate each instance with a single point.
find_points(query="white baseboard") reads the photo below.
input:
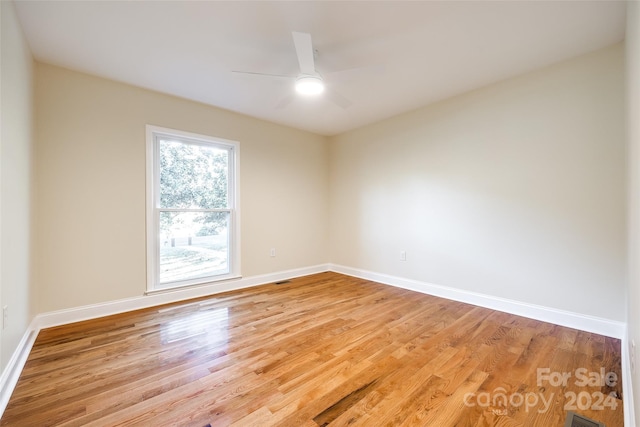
(12, 371)
(87, 312)
(597, 325)
(601, 326)
(627, 383)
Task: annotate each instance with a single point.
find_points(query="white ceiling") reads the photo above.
(413, 53)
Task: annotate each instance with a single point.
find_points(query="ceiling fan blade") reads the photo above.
(338, 99)
(304, 50)
(252, 73)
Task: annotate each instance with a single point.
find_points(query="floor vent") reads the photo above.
(282, 282)
(575, 420)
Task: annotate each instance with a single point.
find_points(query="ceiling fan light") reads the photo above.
(309, 85)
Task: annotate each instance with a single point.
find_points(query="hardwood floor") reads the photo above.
(320, 350)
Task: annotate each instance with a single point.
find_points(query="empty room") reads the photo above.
(319, 213)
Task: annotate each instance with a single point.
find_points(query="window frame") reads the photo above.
(153, 135)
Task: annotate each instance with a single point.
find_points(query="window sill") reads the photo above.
(197, 284)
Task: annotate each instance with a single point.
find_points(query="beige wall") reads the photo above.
(16, 118)
(632, 45)
(516, 190)
(91, 187)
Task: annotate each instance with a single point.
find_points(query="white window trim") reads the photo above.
(152, 226)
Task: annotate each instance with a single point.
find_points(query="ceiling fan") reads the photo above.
(308, 81)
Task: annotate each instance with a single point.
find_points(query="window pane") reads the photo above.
(193, 245)
(192, 176)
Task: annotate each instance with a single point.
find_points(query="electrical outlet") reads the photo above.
(272, 252)
(403, 255)
(5, 316)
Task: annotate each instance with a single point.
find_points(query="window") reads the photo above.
(192, 217)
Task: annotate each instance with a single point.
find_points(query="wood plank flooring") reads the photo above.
(325, 349)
